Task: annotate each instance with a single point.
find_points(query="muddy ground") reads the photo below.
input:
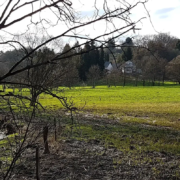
(92, 159)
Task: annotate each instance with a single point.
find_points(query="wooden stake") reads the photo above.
(45, 137)
(37, 164)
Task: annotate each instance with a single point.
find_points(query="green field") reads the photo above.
(142, 122)
(161, 104)
(148, 114)
(154, 105)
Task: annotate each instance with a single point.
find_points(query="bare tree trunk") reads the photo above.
(163, 78)
(136, 80)
(143, 82)
(114, 82)
(34, 97)
(4, 87)
(93, 83)
(124, 80)
(108, 83)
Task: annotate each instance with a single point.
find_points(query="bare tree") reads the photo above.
(173, 70)
(152, 53)
(113, 77)
(26, 15)
(94, 74)
(43, 76)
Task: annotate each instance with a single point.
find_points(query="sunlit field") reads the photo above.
(157, 103)
(158, 100)
(139, 121)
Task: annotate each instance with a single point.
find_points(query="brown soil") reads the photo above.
(92, 160)
(76, 160)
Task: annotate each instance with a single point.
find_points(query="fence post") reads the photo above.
(37, 164)
(45, 137)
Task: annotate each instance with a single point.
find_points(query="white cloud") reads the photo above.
(164, 15)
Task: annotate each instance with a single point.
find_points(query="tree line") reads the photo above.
(75, 66)
(156, 56)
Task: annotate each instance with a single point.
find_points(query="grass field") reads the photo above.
(155, 105)
(139, 121)
(159, 102)
(137, 107)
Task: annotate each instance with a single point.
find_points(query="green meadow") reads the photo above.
(157, 106)
(154, 105)
(158, 103)
(139, 121)
(151, 115)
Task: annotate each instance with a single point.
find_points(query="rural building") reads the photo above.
(108, 66)
(128, 67)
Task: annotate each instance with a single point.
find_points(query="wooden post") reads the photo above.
(45, 137)
(37, 164)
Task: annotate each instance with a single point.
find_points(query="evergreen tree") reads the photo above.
(129, 41)
(106, 57)
(87, 57)
(67, 52)
(178, 44)
(127, 51)
(81, 70)
(91, 56)
(85, 62)
(77, 54)
(111, 45)
(101, 59)
(94, 54)
(127, 54)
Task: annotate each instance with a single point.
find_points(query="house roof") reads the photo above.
(128, 64)
(106, 64)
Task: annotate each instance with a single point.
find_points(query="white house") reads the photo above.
(108, 66)
(128, 67)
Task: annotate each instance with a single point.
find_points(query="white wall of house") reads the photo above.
(128, 67)
(110, 67)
